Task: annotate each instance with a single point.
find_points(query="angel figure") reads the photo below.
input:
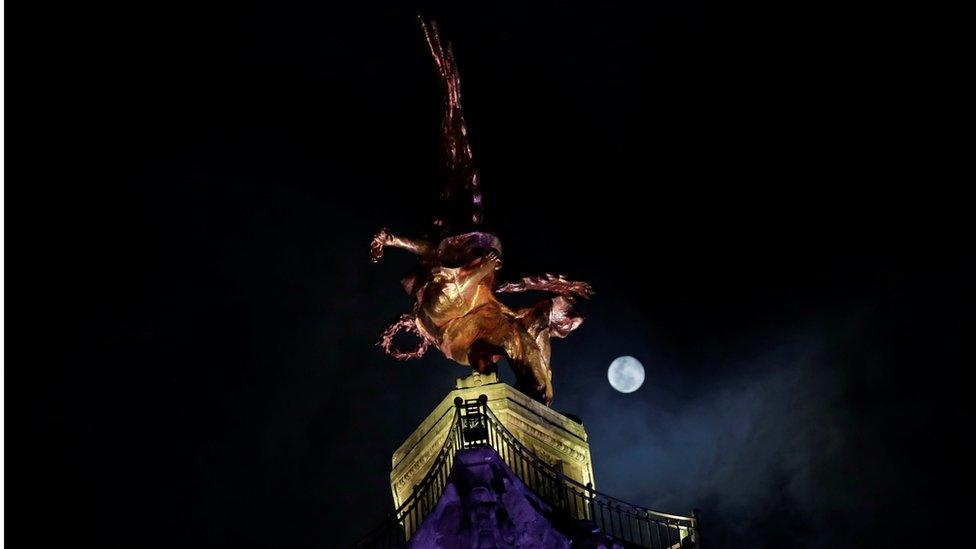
(453, 286)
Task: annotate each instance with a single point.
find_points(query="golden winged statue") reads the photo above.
(453, 285)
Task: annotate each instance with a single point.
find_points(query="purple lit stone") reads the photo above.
(486, 506)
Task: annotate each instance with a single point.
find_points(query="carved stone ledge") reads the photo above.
(554, 437)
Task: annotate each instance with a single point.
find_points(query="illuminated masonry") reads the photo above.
(555, 438)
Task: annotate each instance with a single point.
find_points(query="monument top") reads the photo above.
(559, 440)
(476, 380)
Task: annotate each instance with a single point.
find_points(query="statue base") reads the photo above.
(557, 439)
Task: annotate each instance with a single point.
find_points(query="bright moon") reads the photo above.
(626, 374)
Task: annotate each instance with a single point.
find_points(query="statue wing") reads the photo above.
(557, 284)
(461, 194)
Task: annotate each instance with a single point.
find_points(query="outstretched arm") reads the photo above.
(385, 238)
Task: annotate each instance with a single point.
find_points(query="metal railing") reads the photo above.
(402, 523)
(630, 524)
(475, 425)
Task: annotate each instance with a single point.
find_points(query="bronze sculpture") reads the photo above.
(453, 285)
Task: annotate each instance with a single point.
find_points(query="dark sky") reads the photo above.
(765, 199)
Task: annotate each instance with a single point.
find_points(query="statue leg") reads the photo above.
(530, 361)
(488, 335)
(530, 358)
(476, 339)
(483, 356)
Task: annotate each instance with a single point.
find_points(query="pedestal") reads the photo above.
(555, 438)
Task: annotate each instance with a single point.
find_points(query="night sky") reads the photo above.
(765, 201)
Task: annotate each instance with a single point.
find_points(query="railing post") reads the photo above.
(590, 507)
(483, 401)
(458, 402)
(697, 538)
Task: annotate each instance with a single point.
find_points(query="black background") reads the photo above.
(765, 198)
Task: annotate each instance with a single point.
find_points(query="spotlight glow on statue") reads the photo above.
(626, 374)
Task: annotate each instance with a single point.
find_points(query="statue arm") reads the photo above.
(385, 238)
(485, 266)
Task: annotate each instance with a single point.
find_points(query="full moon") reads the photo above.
(626, 374)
